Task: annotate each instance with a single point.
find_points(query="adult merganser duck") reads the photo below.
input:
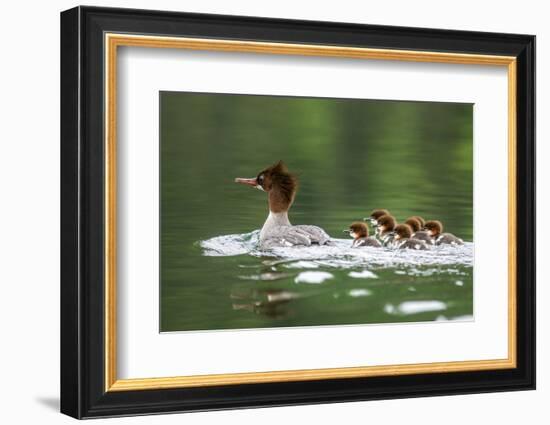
(434, 228)
(360, 234)
(403, 238)
(418, 233)
(281, 187)
(386, 225)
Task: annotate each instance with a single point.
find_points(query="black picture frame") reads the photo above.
(83, 392)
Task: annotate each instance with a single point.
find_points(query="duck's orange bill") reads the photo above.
(249, 182)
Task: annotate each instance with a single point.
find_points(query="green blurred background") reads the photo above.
(351, 156)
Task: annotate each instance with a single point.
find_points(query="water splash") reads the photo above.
(363, 274)
(340, 255)
(313, 277)
(415, 307)
(229, 245)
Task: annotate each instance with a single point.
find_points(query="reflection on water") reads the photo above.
(272, 303)
(351, 157)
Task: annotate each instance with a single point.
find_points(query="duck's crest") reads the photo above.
(283, 180)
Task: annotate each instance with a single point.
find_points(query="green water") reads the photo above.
(351, 156)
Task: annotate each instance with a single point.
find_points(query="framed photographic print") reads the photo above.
(262, 212)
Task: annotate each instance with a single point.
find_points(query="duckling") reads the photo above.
(434, 228)
(373, 219)
(403, 238)
(386, 225)
(420, 219)
(360, 234)
(418, 233)
(375, 215)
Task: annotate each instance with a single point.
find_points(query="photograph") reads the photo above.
(287, 211)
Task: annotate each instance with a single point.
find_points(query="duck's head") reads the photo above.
(403, 231)
(421, 220)
(415, 224)
(375, 215)
(433, 227)
(278, 182)
(357, 230)
(386, 223)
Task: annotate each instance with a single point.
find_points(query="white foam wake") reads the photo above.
(339, 254)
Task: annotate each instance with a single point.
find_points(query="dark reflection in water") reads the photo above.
(270, 302)
(351, 156)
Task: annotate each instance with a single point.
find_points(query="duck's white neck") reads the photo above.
(274, 220)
